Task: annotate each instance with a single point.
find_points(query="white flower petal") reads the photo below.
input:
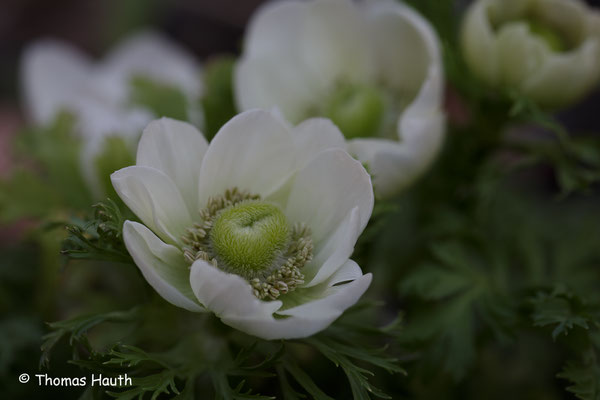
(397, 30)
(313, 136)
(154, 56)
(567, 17)
(175, 148)
(275, 27)
(521, 54)
(155, 199)
(326, 189)
(265, 82)
(333, 43)
(253, 151)
(52, 74)
(161, 264)
(479, 44)
(228, 295)
(230, 298)
(334, 251)
(395, 165)
(350, 271)
(581, 67)
(316, 315)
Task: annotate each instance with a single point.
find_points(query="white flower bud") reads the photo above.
(548, 50)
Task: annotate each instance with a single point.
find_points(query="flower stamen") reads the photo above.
(241, 234)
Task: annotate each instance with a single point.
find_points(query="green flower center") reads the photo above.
(243, 235)
(554, 39)
(249, 236)
(358, 110)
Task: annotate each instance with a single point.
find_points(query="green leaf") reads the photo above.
(561, 310)
(585, 380)
(99, 238)
(114, 154)
(287, 390)
(155, 384)
(163, 100)
(56, 183)
(76, 329)
(434, 282)
(305, 381)
(225, 392)
(218, 101)
(342, 356)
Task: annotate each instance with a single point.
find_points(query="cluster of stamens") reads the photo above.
(283, 276)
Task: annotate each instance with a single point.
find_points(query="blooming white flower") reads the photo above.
(258, 227)
(57, 77)
(373, 67)
(549, 50)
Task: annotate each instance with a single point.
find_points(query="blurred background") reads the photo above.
(207, 29)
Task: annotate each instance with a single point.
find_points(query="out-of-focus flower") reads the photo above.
(548, 50)
(114, 99)
(258, 227)
(373, 67)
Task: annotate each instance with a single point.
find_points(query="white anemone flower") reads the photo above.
(373, 67)
(57, 77)
(256, 227)
(548, 50)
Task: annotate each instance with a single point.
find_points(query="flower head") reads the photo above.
(258, 227)
(104, 96)
(373, 67)
(549, 50)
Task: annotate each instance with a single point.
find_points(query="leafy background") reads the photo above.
(486, 272)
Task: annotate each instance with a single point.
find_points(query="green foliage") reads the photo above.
(47, 178)
(161, 99)
(218, 101)
(576, 161)
(100, 238)
(585, 380)
(77, 328)
(202, 355)
(563, 311)
(458, 282)
(115, 154)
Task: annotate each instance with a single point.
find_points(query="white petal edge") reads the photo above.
(313, 136)
(155, 199)
(52, 75)
(274, 27)
(177, 149)
(153, 55)
(333, 252)
(231, 299)
(581, 68)
(334, 45)
(254, 151)
(398, 30)
(161, 264)
(421, 127)
(326, 189)
(478, 42)
(277, 80)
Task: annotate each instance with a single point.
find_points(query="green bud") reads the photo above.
(356, 110)
(115, 154)
(248, 237)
